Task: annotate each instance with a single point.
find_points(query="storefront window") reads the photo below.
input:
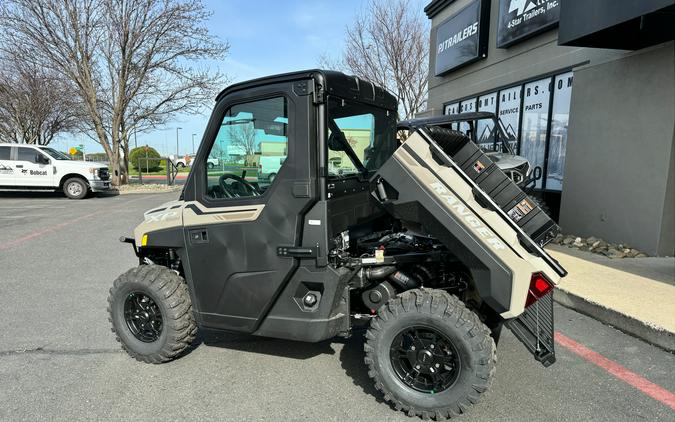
(509, 113)
(562, 93)
(451, 108)
(467, 106)
(485, 127)
(535, 123)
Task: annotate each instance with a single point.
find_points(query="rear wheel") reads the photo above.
(429, 355)
(209, 166)
(151, 313)
(75, 188)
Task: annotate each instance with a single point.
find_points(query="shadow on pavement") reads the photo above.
(32, 194)
(351, 354)
(47, 194)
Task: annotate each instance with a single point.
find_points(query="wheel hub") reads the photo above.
(143, 317)
(424, 359)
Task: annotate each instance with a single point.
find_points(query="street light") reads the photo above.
(193, 143)
(177, 129)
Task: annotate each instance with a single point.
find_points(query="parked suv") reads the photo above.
(40, 167)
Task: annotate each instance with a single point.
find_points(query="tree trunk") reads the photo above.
(115, 168)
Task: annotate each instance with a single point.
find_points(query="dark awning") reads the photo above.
(619, 24)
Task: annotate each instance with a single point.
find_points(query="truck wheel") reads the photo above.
(151, 313)
(429, 355)
(209, 166)
(271, 177)
(180, 165)
(75, 188)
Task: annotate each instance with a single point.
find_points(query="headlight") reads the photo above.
(94, 171)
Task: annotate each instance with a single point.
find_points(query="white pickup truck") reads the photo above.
(39, 167)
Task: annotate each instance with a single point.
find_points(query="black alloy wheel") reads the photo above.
(143, 317)
(425, 359)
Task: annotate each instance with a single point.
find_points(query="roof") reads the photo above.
(332, 82)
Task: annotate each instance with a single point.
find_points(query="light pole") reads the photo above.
(177, 129)
(193, 143)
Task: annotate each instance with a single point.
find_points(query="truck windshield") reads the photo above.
(58, 155)
(361, 137)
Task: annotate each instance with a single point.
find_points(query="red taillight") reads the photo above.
(539, 286)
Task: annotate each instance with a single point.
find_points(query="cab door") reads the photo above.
(240, 228)
(6, 166)
(32, 168)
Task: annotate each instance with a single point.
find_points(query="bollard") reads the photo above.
(140, 172)
(168, 172)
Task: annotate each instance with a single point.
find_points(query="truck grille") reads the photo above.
(103, 174)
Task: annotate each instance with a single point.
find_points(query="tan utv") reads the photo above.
(427, 242)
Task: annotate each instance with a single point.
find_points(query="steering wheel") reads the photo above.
(240, 187)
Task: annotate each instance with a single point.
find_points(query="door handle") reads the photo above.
(19, 166)
(297, 252)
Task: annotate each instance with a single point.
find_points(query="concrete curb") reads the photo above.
(658, 337)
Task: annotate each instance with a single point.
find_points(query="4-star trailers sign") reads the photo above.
(520, 19)
(460, 39)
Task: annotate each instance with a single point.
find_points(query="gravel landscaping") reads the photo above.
(598, 246)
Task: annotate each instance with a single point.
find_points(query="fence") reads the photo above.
(155, 170)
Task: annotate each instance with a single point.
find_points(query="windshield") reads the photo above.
(55, 154)
(360, 137)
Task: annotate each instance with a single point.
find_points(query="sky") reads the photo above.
(266, 37)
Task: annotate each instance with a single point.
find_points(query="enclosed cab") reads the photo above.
(355, 228)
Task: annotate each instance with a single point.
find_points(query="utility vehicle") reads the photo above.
(40, 167)
(427, 242)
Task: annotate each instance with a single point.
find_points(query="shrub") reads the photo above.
(154, 162)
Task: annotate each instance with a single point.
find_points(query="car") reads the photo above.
(268, 167)
(426, 243)
(24, 166)
(186, 161)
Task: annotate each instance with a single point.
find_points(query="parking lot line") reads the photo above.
(618, 371)
(50, 229)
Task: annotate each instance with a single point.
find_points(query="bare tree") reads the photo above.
(388, 45)
(132, 62)
(34, 105)
(243, 138)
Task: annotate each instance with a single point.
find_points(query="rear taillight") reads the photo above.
(539, 286)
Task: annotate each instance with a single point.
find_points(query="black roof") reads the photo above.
(445, 119)
(332, 82)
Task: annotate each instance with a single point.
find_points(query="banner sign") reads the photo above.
(520, 19)
(462, 38)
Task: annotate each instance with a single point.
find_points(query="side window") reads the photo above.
(27, 154)
(249, 150)
(360, 132)
(4, 152)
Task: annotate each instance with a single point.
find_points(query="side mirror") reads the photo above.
(41, 159)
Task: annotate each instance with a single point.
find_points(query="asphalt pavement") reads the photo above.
(59, 360)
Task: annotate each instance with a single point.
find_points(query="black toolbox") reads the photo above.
(478, 167)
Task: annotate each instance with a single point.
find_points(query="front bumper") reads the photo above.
(99, 185)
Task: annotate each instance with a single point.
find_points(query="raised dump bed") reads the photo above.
(478, 167)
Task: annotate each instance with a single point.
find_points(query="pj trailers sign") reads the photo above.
(520, 19)
(462, 38)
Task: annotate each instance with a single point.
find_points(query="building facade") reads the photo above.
(588, 91)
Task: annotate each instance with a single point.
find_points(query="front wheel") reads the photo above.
(429, 355)
(209, 166)
(75, 188)
(151, 313)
